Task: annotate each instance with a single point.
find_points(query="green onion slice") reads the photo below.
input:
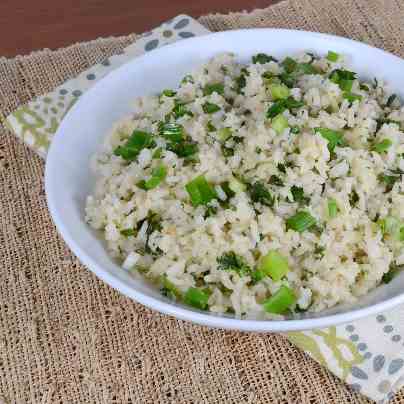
(224, 133)
(128, 232)
(279, 302)
(274, 265)
(137, 141)
(351, 97)
(169, 93)
(332, 207)
(300, 222)
(171, 131)
(279, 91)
(332, 56)
(279, 124)
(200, 191)
(213, 88)
(210, 108)
(382, 146)
(197, 298)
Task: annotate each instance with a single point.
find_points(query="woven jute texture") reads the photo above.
(65, 337)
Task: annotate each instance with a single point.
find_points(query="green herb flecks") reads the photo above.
(298, 195)
(281, 105)
(263, 58)
(260, 194)
(230, 261)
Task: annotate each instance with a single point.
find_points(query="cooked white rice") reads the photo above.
(335, 261)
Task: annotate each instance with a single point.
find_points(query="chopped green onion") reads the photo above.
(392, 273)
(288, 79)
(279, 91)
(364, 87)
(237, 186)
(180, 110)
(332, 208)
(171, 131)
(137, 141)
(187, 79)
(157, 153)
(295, 130)
(390, 226)
(298, 195)
(275, 180)
(279, 302)
(346, 85)
(353, 198)
(210, 108)
(227, 190)
(263, 58)
(158, 175)
(274, 265)
(224, 133)
(183, 149)
(343, 78)
(197, 298)
(210, 127)
(241, 82)
(333, 137)
(128, 232)
(275, 109)
(227, 151)
(169, 93)
(289, 64)
(332, 56)
(388, 180)
(271, 79)
(382, 146)
(259, 193)
(351, 97)
(168, 289)
(279, 124)
(213, 88)
(307, 68)
(300, 222)
(282, 168)
(200, 191)
(390, 100)
(257, 276)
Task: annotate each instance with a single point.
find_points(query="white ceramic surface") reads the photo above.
(68, 179)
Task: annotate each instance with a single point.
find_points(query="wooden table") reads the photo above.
(26, 25)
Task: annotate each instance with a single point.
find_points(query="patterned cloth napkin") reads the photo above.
(367, 354)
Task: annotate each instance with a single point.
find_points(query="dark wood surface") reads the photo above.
(27, 25)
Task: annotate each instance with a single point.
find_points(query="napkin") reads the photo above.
(367, 354)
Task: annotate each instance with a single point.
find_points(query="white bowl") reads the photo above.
(68, 179)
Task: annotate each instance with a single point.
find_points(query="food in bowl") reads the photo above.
(263, 189)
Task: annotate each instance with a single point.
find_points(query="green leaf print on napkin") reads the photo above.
(328, 343)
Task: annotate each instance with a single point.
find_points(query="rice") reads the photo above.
(264, 153)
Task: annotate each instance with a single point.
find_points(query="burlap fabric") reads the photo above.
(67, 337)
